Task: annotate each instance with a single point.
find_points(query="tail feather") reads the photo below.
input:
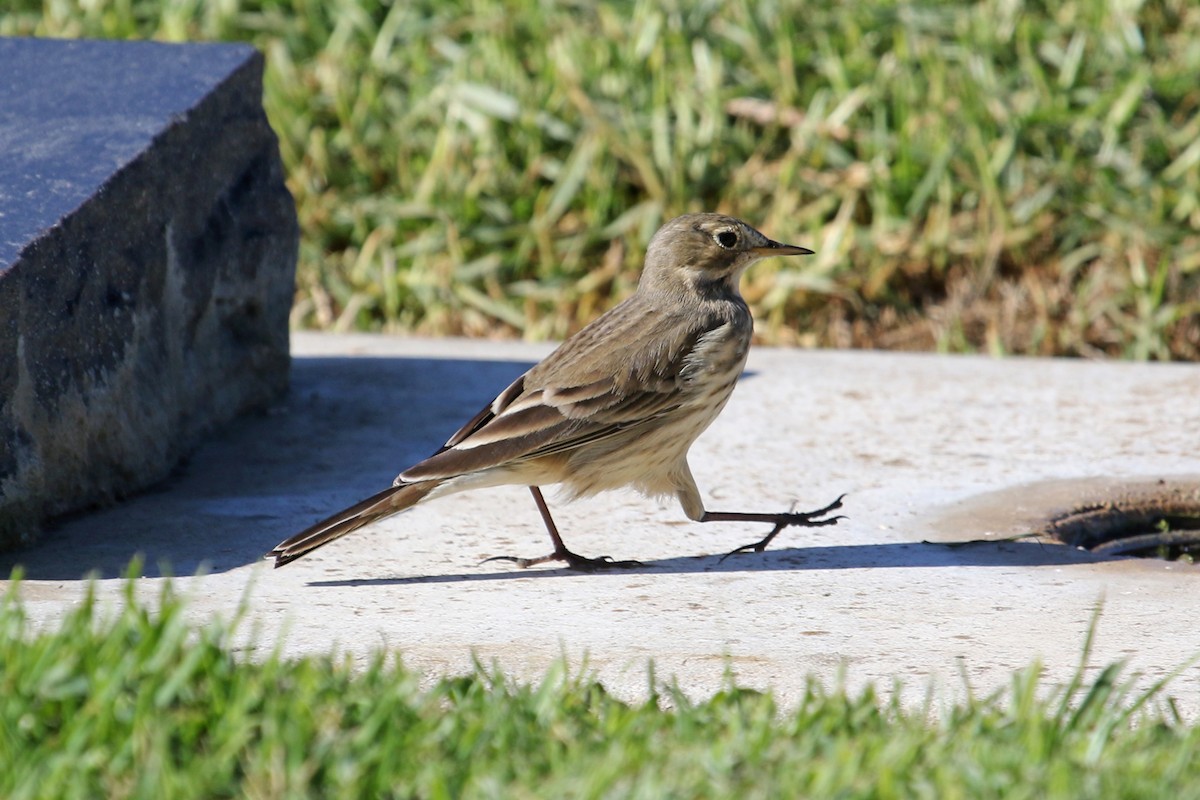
(390, 501)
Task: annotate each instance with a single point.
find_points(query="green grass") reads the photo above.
(135, 702)
(1005, 176)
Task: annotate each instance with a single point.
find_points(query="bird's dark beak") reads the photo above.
(773, 248)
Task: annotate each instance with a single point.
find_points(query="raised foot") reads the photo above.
(807, 519)
(574, 561)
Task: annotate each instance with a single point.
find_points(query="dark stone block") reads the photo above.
(147, 256)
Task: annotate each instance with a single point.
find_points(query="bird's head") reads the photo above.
(707, 252)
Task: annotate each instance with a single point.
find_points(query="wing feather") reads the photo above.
(601, 382)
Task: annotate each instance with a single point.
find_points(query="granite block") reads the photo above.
(147, 258)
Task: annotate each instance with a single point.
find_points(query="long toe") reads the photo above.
(807, 520)
(820, 512)
(584, 564)
(573, 561)
(523, 563)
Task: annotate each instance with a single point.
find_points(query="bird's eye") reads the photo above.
(726, 239)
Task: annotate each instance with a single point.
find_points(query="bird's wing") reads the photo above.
(591, 388)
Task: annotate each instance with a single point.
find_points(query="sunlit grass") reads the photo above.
(134, 701)
(1000, 176)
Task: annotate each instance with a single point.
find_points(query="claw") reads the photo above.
(574, 561)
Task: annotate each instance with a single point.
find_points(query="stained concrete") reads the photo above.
(928, 448)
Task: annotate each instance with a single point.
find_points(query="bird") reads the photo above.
(618, 404)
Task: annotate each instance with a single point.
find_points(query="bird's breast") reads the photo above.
(652, 457)
(717, 360)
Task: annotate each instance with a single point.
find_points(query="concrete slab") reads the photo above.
(928, 448)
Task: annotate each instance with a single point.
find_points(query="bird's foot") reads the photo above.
(574, 561)
(806, 519)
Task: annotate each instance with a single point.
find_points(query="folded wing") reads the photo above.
(545, 411)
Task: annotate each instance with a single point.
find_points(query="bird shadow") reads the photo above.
(888, 555)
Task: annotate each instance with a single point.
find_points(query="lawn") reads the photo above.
(134, 702)
(1002, 176)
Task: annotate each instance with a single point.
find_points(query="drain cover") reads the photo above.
(1154, 524)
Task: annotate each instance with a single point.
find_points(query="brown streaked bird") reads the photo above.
(617, 404)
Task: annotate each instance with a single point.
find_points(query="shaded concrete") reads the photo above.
(928, 448)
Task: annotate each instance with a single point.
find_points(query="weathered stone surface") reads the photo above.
(147, 255)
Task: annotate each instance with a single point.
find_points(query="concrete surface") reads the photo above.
(928, 447)
(147, 253)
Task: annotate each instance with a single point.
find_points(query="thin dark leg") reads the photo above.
(808, 519)
(561, 553)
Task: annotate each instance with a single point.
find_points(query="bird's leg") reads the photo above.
(561, 553)
(808, 519)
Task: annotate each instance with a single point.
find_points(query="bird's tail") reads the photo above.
(364, 512)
